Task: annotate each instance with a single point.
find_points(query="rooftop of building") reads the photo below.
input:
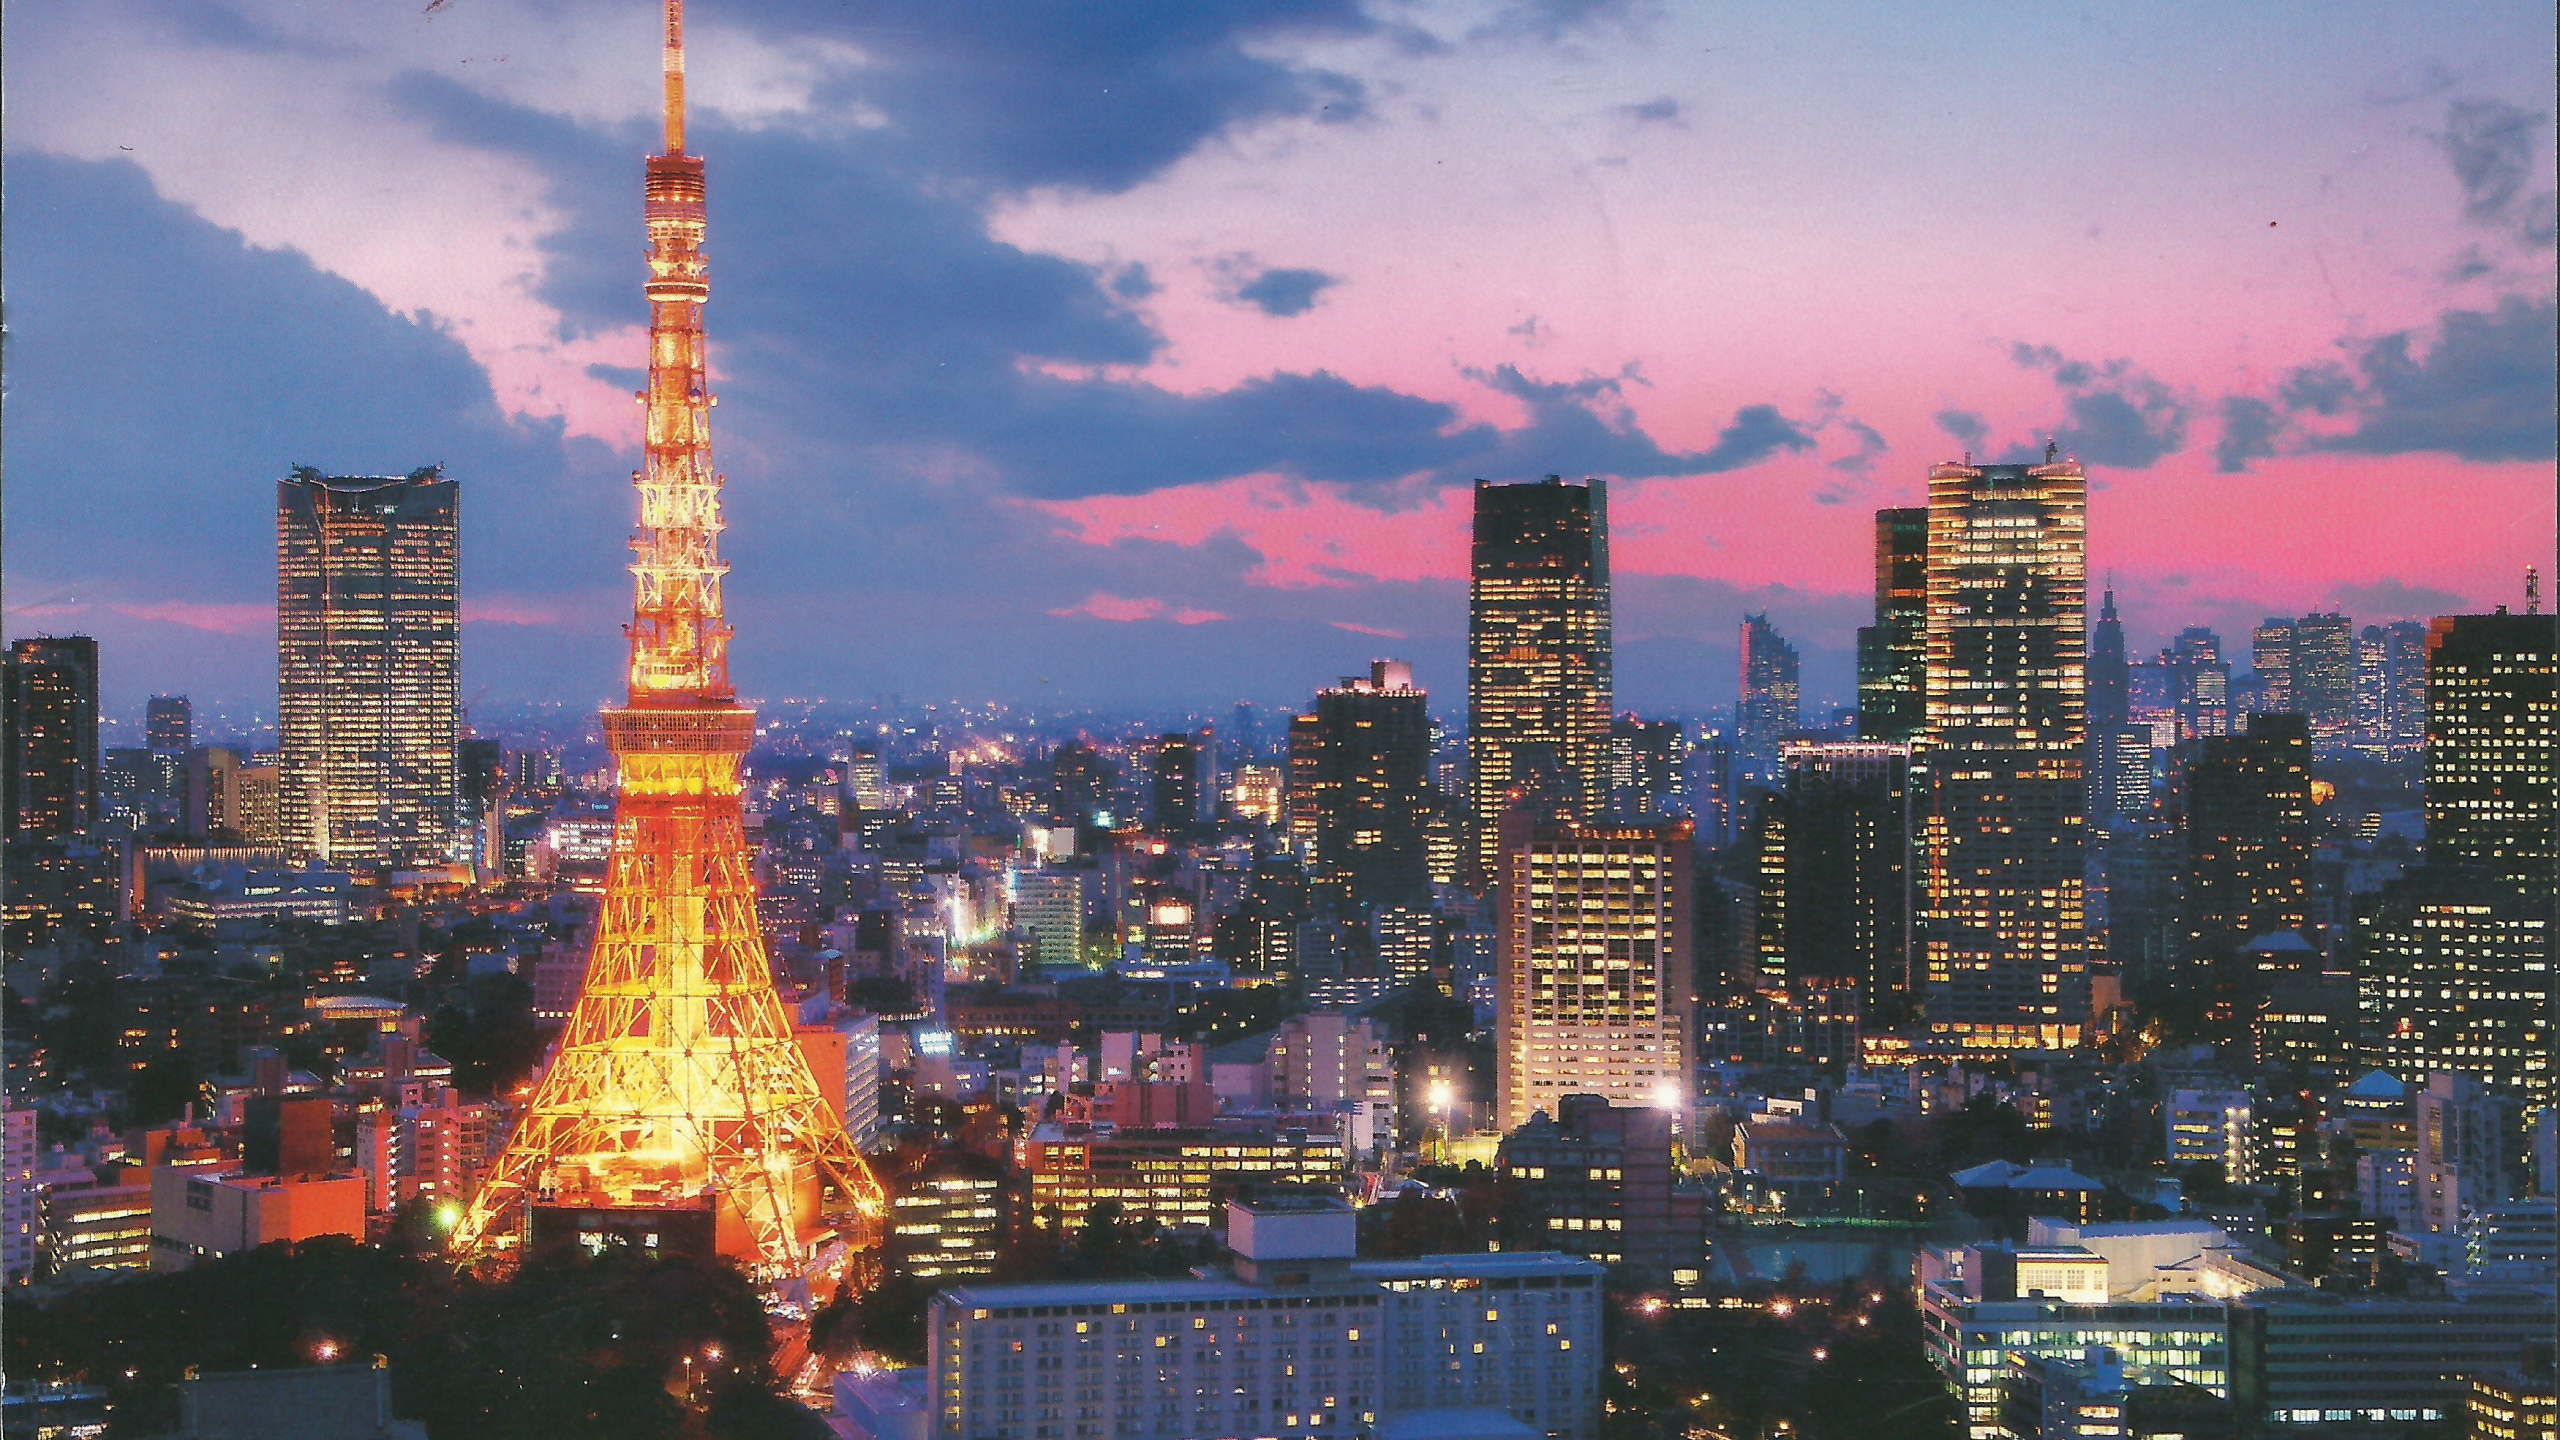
(1522, 1265)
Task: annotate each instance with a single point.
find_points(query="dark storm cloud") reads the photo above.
(1099, 97)
(1282, 293)
(2114, 413)
(228, 364)
(2490, 144)
(1582, 427)
(2482, 391)
(1963, 425)
(2249, 430)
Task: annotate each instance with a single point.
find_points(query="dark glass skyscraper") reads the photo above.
(1174, 803)
(49, 737)
(2493, 744)
(1893, 655)
(2119, 751)
(368, 665)
(1771, 704)
(168, 725)
(1836, 889)
(1369, 790)
(2324, 679)
(2247, 815)
(2005, 948)
(1538, 654)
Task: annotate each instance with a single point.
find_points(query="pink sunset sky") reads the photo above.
(1143, 353)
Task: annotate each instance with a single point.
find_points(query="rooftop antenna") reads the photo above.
(2532, 590)
(675, 77)
(2051, 449)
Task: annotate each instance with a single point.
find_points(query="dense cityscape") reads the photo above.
(2059, 1042)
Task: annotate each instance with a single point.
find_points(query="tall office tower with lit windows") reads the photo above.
(1538, 655)
(1595, 953)
(1770, 702)
(1368, 791)
(1648, 768)
(2455, 962)
(49, 737)
(2005, 942)
(1893, 659)
(2271, 655)
(2493, 745)
(2199, 683)
(2391, 690)
(2324, 679)
(368, 665)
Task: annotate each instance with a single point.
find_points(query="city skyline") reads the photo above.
(1069, 286)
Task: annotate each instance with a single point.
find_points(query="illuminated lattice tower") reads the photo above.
(679, 1111)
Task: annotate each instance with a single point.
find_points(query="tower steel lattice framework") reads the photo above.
(677, 1081)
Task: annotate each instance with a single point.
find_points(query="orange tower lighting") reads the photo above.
(678, 1103)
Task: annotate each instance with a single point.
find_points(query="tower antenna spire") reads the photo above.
(675, 77)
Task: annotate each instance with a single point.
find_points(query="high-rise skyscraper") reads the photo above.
(1594, 945)
(168, 725)
(368, 654)
(1836, 874)
(2199, 683)
(2391, 690)
(2119, 750)
(2271, 655)
(1174, 801)
(1648, 769)
(1369, 791)
(2324, 679)
(1538, 654)
(2247, 813)
(2005, 943)
(49, 737)
(2455, 960)
(1771, 702)
(2493, 745)
(1893, 654)
(679, 1111)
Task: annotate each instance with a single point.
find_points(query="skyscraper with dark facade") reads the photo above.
(2493, 744)
(2199, 683)
(49, 737)
(2324, 679)
(2005, 942)
(1836, 880)
(2391, 690)
(168, 725)
(1538, 654)
(2246, 806)
(1893, 656)
(1174, 802)
(2455, 961)
(1369, 790)
(2119, 750)
(1648, 768)
(1770, 706)
(368, 665)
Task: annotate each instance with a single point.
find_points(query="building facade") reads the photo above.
(368, 657)
(1539, 682)
(1769, 703)
(1893, 653)
(2005, 940)
(1595, 958)
(2246, 802)
(1369, 791)
(49, 738)
(1836, 876)
(1300, 1340)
